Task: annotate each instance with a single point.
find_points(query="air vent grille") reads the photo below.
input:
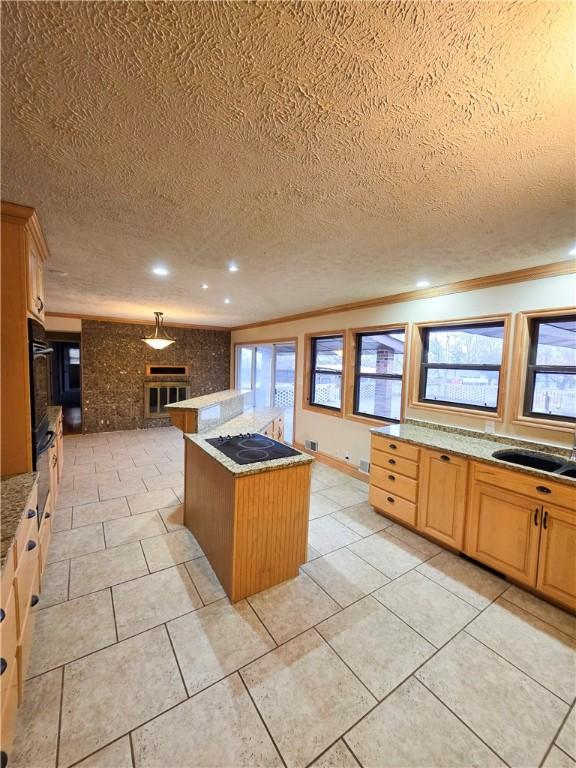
(364, 466)
(311, 445)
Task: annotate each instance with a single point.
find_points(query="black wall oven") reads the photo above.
(42, 437)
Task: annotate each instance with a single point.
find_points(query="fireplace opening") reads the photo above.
(159, 394)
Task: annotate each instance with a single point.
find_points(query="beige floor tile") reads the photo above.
(149, 459)
(326, 534)
(567, 737)
(61, 519)
(426, 606)
(133, 528)
(91, 573)
(205, 580)
(375, 644)
(54, 584)
(320, 505)
(75, 542)
(146, 502)
(109, 477)
(338, 756)
(311, 554)
(115, 465)
(426, 547)
(99, 512)
(76, 497)
(412, 729)
(390, 555)
(36, 736)
(217, 640)
(218, 727)
(345, 576)
(173, 517)
(483, 690)
(119, 488)
(115, 755)
(558, 618)
(362, 519)
(115, 690)
(556, 758)
(540, 650)
(331, 477)
(151, 600)
(345, 495)
(317, 485)
(306, 696)
(163, 481)
(167, 467)
(142, 472)
(293, 606)
(171, 549)
(470, 582)
(70, 630)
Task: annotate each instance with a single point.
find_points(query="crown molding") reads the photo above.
(134, 321)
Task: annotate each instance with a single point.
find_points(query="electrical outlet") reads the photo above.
(347, 455)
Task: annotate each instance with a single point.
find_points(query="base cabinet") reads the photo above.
(442, 498)
(557, 555)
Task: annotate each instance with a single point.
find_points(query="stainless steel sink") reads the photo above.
(536, 461)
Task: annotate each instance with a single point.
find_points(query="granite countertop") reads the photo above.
(196, 403)
(254, 420)
(472, 445)
(53, 412)
(14, 492)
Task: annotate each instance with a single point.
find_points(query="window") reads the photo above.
(461, 365)
(551, 377)
(378, 374)
(327, 354)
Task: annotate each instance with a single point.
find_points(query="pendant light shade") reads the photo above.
(160, 339)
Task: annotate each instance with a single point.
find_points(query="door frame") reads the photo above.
(268, 342)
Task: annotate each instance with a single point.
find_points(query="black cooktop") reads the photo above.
(249, 448)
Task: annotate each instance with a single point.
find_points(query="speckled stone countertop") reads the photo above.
(53, 413)
(14, 492)
(251, 421)
(473, 445)
(195, 403)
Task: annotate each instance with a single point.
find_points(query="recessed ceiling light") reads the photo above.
(204, 286)
(162, 271)
(226, 301)
(232, 267)
(572, 252)
(422, 284)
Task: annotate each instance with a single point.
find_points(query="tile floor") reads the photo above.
(385, 651)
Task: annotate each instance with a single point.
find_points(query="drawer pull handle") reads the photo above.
(444, 457)
(390, 499)
(48, 515)
(391, 461)
(391, 477)
(536, 516)
(3, 759)
(3, 665)
(543, 489)
(392, 446)
(545, 520)
(31, 513)
(34, 600)
(2, 615)
(30, 545)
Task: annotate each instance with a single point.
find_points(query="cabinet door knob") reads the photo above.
(2, 615)
(31, 545)
(34, 600)
(3, 665)
(392, 446)
(545, 520)
(3, 759)
(47, 515)
(391, 461)
(444, 457)
(39, 304)
(391, 477)
(390, 499)
(31, 513)
(543, 489)
(536, 516)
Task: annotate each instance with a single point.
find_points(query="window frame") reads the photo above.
(310, 371)
(418, 367)
(357, 334)
(525, 351)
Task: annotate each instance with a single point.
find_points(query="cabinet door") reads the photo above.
(35, 284)
(557, 562)
(53, 464)
(60, 448)
(503, 531)
(442, 497)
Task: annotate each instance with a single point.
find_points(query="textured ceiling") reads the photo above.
(337, 151)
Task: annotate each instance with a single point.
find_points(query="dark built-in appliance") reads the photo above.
(250, 448)
(42, 437)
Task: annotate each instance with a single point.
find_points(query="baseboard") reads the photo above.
(338, 464)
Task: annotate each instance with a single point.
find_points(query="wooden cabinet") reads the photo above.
(504, 531)
(442, 496)
(60, 447)
(393, 479)
(557, 555)
(54, 474)
(35, 290)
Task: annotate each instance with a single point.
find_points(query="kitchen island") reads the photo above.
(251, 519)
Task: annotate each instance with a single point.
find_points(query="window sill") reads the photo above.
(549, 425)
(321, 410)
(467, 412)
(368, 420)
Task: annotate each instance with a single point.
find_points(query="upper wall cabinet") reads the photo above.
(35, 290)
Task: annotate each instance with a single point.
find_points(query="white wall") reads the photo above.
(336, 436)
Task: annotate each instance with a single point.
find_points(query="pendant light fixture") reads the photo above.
(160, 339)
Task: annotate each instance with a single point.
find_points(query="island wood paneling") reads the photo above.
(253, 528)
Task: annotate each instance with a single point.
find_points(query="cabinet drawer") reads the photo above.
(7, 576)
(392, 505)
(395, 447)
(27, 529)
(392, 481)
(26, 581)
(23, 654)
(45, 536)
(8, 631)
(9, 706)
(541, 488)
(395, 463)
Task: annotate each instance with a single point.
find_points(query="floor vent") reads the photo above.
(311, 445)
(364, 466)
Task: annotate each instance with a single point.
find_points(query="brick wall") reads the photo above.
(114, 360)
